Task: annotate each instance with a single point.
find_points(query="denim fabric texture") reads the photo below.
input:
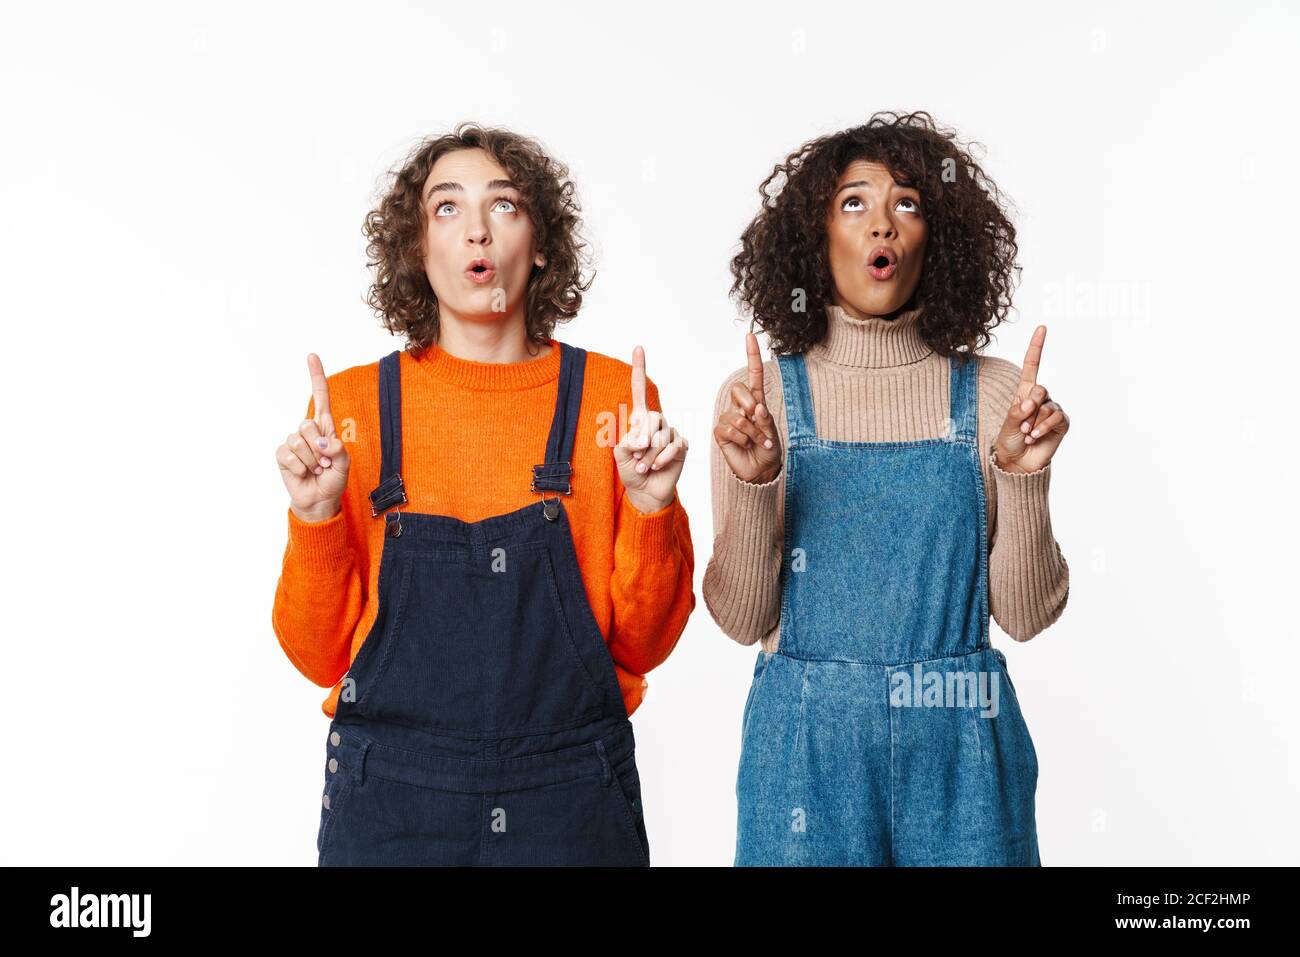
(482, 721)
(884, 730)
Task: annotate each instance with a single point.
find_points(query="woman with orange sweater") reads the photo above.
(480, 562)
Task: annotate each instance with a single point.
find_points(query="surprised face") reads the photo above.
(876, 235)
(478, 244)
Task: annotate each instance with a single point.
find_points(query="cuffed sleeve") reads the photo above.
(1029, 579)
(652, 586)
(742, 583)
(320, 595)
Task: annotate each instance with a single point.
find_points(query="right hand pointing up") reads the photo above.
(747, 433)
(313, 461)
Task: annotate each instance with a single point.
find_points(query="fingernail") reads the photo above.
(1035, 433)
(1026, 405)
(1029, 440)
(318, 470)
(767, 443)
(325, 461)
(322, 443)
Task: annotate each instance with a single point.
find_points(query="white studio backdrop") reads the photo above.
(183, 192)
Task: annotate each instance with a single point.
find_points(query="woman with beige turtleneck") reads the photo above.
(879, 491)
(875, 380)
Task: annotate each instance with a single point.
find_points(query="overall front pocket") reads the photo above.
(1016, 719)
(627, 781)
(338, 788)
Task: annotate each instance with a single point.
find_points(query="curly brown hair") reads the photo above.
(969, 269)
(401, 294)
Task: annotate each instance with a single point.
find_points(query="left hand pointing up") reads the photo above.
(1035, 424)
(651, 453)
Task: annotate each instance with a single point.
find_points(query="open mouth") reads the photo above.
(480, 270)
(882, 263)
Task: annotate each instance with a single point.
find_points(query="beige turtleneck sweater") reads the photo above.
(876, 380)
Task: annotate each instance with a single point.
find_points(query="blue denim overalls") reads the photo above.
(884, 730)
(481, 721)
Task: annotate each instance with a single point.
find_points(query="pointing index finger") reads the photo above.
(1029, 374)
(754, 359)
(320, 391)
(638, 380)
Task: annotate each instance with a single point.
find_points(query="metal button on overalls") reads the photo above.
(884, 594)
(483, 721)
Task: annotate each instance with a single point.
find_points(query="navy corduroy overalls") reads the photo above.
(481, 721)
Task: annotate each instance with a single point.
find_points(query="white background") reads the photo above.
(183, 192)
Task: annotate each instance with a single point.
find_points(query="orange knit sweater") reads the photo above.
(471, 433)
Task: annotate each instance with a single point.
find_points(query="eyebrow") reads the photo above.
(863, 182)
(457, 188)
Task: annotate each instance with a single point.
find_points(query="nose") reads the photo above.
(476, 231)
(882, 228)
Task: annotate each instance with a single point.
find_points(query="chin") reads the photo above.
(479, 302)
(876, 308)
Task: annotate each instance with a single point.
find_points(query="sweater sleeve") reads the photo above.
(1029, 579)
(319, 596)
(652, 589)
(742, 583)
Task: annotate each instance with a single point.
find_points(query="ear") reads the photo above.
(541, 261)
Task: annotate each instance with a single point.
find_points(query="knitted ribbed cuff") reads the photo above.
(653, 534)
(753, 508)
(741, 582)
(1024, 518)
(322, 546)
(1021, 492)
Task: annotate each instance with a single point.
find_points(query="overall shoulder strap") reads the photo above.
(390, 491)
(556, 473)
(963, 397)
(797, 397)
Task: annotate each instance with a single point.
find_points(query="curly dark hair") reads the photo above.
(969, 269)
(401, 294)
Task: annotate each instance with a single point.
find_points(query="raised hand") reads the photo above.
(651, 454)
(313, 462)
(747, 433)
(1035, 424)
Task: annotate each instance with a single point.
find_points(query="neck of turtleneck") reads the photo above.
(872, 343)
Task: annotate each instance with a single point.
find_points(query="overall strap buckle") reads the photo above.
(387, 493)
(552, 477)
